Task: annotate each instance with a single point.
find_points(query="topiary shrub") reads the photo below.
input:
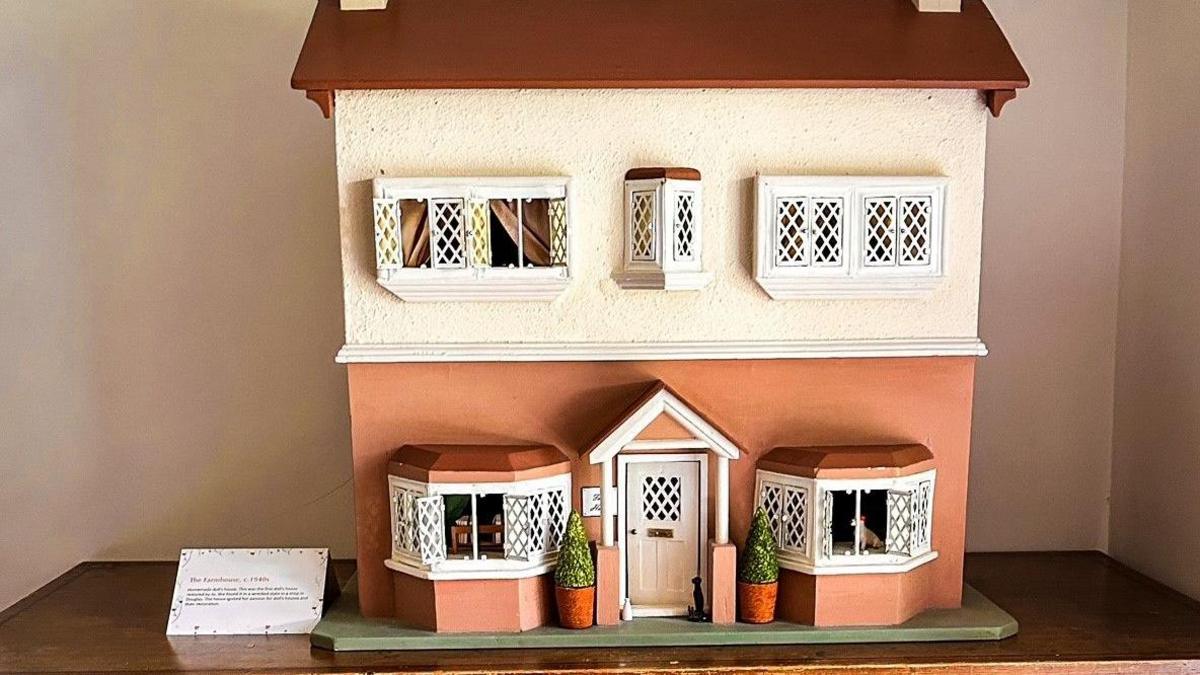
(575, 568)
(759, 564)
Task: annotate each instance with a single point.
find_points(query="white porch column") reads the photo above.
(722, 500)
(606, 502)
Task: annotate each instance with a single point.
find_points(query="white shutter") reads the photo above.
(923, 518)
(431, 528)
(826, 523)
(900, 533)
(388, 254)
(518, 513)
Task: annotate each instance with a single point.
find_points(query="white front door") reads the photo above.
(662, 535)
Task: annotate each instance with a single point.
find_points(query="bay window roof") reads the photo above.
(849, 461)
(477, 463)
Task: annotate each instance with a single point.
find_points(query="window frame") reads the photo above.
(413, 563)
(853, 277)
(816, 556)
(663, 268)
(468, 281)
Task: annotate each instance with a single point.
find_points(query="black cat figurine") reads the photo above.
(696, 611)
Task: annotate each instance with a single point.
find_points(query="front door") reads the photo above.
(662, 507)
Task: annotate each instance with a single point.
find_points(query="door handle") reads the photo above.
(634, 531)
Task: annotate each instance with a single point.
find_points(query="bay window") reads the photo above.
(849, 525)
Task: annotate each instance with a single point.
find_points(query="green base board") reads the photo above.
(344, 629)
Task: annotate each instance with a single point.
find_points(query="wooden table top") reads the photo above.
(1079, 612)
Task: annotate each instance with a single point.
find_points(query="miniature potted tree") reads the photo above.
(758, 574)
(575, 578)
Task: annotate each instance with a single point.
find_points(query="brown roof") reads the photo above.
(829, 460)
(477, 463)
(470, 44)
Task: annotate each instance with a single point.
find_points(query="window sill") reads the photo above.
(656, 280)
(458, 570)
(539, 284)
(810, 288)
(881, 564)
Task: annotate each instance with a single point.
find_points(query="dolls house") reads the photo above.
(664, 263)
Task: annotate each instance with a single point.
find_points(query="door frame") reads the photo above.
(623, 462)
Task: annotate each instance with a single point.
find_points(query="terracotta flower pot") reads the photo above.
(756, 602)
(576, 606)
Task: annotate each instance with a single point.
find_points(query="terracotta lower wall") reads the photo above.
(474, 605)
(760, 404)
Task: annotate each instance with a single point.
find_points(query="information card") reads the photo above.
(244, 591)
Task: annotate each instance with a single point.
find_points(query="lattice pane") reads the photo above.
(518, 535)
(661, 498)
(387, 233)
(558, 232)
(447, 233)
(480, 233)
(770, 499)
(795, 522)
(685, 225)
(404, 531)
(923, 517)
(826, 232)
(431, 529)
(791, 232)
(880, 233)
(900, 522)
(826, 523)
(915, 230)
(641, 226)
(556, 518)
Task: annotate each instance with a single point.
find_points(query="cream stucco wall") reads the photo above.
(595, 136)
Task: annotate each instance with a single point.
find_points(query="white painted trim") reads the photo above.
(660, 351)
(490, 284)
(350, 5)
(662, 402)
(492, 572)
(607, 508)
(654, 446)
(623, 462)
(866, 567)
(655, 280)
(659, 610)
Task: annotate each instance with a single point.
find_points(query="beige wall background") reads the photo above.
(170, 297)
(1156, 444)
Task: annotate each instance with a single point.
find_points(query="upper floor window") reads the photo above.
(849, 526)
(663, 230)
(472, 238)
(848, 236)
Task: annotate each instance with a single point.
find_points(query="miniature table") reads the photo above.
(1079, 613)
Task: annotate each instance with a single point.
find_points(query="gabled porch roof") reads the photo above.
(660, 400)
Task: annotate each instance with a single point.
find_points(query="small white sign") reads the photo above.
(590, 498)
(248, 591)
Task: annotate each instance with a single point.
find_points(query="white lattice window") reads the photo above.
(819, 236)
(477, 530)
(442, 239)
(849, 526)
(663, 230)
(785, 499)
